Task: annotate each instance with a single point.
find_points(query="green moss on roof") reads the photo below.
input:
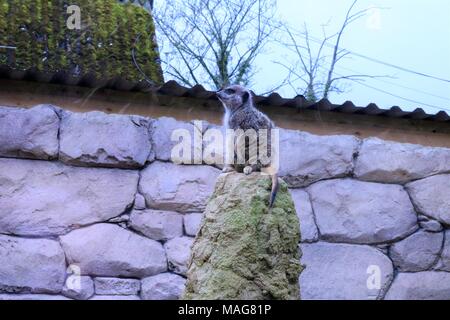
(103, 46)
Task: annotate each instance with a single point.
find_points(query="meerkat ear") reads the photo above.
(245, 97)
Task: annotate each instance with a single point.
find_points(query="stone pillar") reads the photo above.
(242, 251)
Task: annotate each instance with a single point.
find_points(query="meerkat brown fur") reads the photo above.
(241, 113)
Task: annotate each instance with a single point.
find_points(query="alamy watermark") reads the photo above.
(73, 22)
(373, 21)
(73, 281)
(226, 147)
(374, 279)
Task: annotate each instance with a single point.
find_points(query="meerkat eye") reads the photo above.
(230, 91)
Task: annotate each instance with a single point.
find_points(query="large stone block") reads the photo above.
(444, 261)
(99, 139)
(431, 197)
(178, 252)
(31, 297)
(418, 252)
(116, 286)
(29, 133)
(78, 288)
(426, 285)
(306, 158)
(343, 272)
(31, 265)
(167, 186)
(39, 198)
(110, 251)
(192, 223)
(392, 162)
(157, 225)
(351, 211)
(166, 131)
(164, 286)
(308, 228)
(115, 297)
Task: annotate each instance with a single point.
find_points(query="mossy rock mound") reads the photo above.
(243, 250)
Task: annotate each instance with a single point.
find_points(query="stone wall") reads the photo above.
(96, 196)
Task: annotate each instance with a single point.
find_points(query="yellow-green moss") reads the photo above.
(103, 46)
(243, 251)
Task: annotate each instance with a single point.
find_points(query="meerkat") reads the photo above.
(241, 113)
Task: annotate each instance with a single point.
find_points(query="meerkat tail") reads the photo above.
(274, 191)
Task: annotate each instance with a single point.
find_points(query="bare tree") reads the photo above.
(213, 42)
(313, 67)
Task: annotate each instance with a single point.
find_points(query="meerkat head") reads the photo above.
(234, 97)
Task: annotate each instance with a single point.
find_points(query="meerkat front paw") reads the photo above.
(227, 169)
(248, 170)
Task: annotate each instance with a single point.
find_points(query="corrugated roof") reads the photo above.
(172, 88)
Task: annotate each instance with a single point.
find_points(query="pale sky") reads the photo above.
(414, 34)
